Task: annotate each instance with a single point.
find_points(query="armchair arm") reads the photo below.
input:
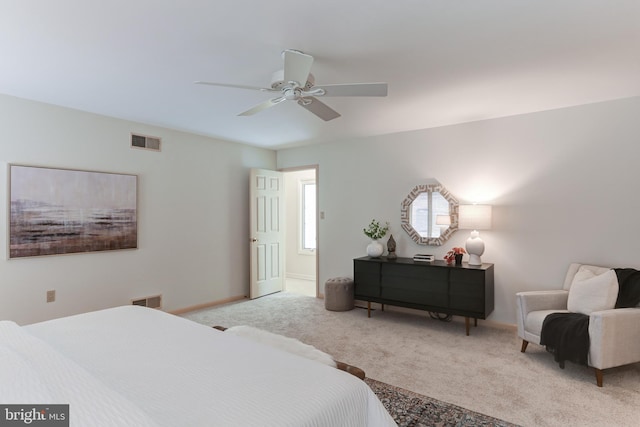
(527, 302)
(615, 337)
(542, 300)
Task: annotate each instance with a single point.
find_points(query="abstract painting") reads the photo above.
(61, 211)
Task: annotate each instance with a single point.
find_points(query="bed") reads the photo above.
(135, 366)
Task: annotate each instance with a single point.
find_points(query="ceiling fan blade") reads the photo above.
(264, 89)
(319, 108)
(262, 106)
(297, 66)
(354, 89)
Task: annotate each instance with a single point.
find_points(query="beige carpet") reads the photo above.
(484, 372)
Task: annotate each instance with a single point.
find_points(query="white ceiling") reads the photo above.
(446, 61)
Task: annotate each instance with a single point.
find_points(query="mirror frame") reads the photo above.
(405, 214)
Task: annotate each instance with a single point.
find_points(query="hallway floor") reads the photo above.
(299, 286)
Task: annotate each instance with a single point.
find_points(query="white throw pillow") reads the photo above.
(590, 292)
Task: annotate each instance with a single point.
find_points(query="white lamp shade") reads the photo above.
(443, 220)
(474, 217)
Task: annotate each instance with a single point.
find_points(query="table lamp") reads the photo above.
(474, 217)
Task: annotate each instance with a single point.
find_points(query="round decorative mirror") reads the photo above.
(429, 214)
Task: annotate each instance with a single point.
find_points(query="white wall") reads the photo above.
(562, 183)
(192, 214)
(298, 265)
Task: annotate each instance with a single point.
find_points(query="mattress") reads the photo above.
(138, 366)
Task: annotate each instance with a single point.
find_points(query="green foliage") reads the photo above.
(375, 231)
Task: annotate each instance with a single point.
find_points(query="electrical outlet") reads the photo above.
(51, 296)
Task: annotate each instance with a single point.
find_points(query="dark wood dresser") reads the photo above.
(463, 290)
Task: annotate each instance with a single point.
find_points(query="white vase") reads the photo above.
(375, 249)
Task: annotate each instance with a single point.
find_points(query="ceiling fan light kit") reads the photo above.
(278, 82)
(296, 83)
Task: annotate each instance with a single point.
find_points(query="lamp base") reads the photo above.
(475, 248)
(474, 259)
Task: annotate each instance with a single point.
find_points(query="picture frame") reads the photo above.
(64, 211)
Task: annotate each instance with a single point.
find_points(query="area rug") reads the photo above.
(410, 409)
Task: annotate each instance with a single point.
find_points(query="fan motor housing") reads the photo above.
(277, 81)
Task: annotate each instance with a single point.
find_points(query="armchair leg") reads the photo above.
(598, 377)
(525, 343)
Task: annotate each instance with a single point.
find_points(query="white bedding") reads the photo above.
(31, 372)
(160, 369)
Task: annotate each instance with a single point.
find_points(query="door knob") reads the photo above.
(254, 240)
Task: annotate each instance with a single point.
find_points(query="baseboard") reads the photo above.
(301, 276)
(207, 305)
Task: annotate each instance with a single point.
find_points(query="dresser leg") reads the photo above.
(381, 307)
(368, 308)
(475, 322)
(466, 324)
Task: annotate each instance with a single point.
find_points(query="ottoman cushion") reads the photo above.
(338, 294)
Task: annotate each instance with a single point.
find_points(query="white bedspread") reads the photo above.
(174, 372)
(31, 372)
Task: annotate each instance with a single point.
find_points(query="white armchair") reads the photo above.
(614, 334)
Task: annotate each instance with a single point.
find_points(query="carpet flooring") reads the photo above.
(484, 372)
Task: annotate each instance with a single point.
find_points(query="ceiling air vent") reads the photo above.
(145, 142)
(151, 302)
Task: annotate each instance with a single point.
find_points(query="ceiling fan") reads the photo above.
(296, 83)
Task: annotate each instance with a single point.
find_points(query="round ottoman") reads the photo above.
(338, 294)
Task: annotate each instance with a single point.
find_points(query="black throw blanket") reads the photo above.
(566, 335)
(629, 282)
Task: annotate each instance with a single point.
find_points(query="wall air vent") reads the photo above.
(151, 302)
(145, 142)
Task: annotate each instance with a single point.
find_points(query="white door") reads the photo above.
(267, 232)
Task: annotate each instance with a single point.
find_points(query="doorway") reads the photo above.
(301, 230)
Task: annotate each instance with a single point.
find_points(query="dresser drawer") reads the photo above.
(433, 296)
(366, 267)
(467, 276)
(366, 277)
(418, 272)
(415, 284)
(467, 297)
